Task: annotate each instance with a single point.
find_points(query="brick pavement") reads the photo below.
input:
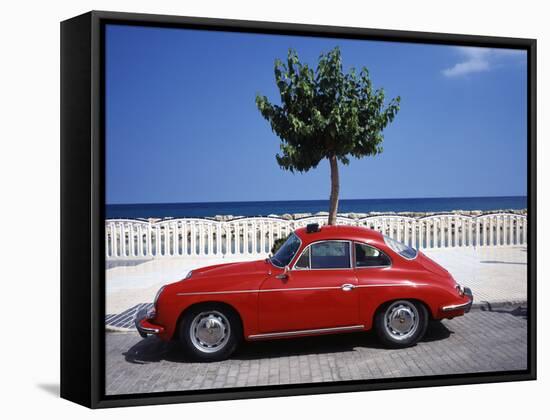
(481, 341)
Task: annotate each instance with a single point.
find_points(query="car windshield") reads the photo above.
(286, 252)
(402, 249)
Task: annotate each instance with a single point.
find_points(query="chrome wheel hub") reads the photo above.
(209, 331)
(401, 320)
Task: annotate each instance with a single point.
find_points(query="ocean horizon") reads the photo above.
(265, 208)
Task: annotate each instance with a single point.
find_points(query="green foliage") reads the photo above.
(277, 244)
(326, 112)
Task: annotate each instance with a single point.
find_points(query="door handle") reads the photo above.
(347, 287)
(284, 274)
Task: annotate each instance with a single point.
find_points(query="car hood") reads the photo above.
(231, 269)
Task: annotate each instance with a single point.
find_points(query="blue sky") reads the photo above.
(182, 124)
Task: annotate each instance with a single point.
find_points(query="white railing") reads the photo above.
(126, 238)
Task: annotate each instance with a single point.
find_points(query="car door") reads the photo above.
(318, 292)
(373, 271)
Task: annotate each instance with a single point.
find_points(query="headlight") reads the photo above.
(151, 313)
(460, 289)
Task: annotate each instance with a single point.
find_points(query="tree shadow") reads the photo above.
(153, 350)
(520, 311)
(503, 262)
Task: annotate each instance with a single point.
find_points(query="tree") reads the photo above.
(326, 114)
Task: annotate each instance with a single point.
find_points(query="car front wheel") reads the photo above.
(401, 323)
(210, 333)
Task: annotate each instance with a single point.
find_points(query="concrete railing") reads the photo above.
(134, 239)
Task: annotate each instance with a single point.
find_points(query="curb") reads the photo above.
(499, 304)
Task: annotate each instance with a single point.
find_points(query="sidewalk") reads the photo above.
(495, 275)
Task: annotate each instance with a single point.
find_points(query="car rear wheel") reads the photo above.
(401, 323)
(210, 333)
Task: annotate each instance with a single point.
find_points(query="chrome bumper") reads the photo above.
(142, 330)
(462, 306)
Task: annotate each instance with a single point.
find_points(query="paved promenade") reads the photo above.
(495, 275)
(481, 341)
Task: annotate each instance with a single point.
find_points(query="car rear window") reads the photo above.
(399, 247)
(368, 256)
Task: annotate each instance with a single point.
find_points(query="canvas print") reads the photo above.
(286, 209)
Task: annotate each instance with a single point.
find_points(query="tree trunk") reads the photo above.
(334, 190)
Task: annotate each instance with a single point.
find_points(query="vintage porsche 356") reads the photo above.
(323, 280)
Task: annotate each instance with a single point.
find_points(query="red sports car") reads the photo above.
(323, 280)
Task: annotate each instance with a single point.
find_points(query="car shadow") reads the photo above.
(324, 344)
(152, 349)
(436, 331)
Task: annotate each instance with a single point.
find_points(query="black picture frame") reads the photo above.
(83, 203)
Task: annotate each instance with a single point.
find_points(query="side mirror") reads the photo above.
(284, 274)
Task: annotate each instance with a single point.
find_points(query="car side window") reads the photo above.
(330, 254)
(368, 256)
(303, 261)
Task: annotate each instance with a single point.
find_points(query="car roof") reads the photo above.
(356, 233)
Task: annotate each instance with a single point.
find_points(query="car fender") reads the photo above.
(372, 298)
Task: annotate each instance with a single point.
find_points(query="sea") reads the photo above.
(265, 208)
